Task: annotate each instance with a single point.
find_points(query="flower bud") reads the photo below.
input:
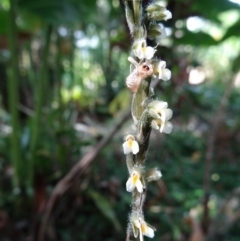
(158, 13)
(155, 8)
(153, 175)
(140, 227)
(156, 31)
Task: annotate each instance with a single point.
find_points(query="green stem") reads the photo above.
(140, 114)
(136, 9)
(58, 69)
(40, 94)
(31, 71)
(138, 29)
(71, 59)
(140, 98)
(129, 162)
(129, 17)
(13, 95)
(144, 131)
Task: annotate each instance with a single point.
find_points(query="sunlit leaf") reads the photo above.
(196, 39)
(234, 30)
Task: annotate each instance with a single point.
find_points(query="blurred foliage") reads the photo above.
(83, 94)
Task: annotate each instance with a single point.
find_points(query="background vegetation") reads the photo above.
(63, 65)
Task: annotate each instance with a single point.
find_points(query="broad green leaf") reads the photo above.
(234, 30)
(211, 8)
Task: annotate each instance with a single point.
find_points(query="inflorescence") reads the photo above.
(147, 112)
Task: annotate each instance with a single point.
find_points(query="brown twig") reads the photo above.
(64, 184)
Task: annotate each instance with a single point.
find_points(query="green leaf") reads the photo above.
(52, 12)
(235, 64)
(234, 30)
(105, 208)
(120, 102)
(211, 8)
(3, 21)
(196, 39)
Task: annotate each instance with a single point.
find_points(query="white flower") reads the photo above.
(134, 181)
(158, 12)
(158, 109)
(163, 31)
(161, 114)
(167, 14)
(165, 127)
(163, 73)
(142, 51)
(144, 228)
(130, 145)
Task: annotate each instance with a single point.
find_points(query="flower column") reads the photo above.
(147, 113)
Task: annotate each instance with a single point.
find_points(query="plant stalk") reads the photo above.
(13, 94)
(40, 93)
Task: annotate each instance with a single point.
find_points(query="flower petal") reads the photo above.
(132, 60)
(168, 114)
(129, 185)
(136, 222)
(135, 147)
(149, 52)
(168, 15)
(135, 230)
(140, 234)
(163, 33)
(153, 113)
(149, 232)
(139, 186)
(162, 64)
(163, 115)
(139, 53)
(126, 148)
(166, 127)
(158, 174)
(166, 74)
(161, 105)
(154, 125)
